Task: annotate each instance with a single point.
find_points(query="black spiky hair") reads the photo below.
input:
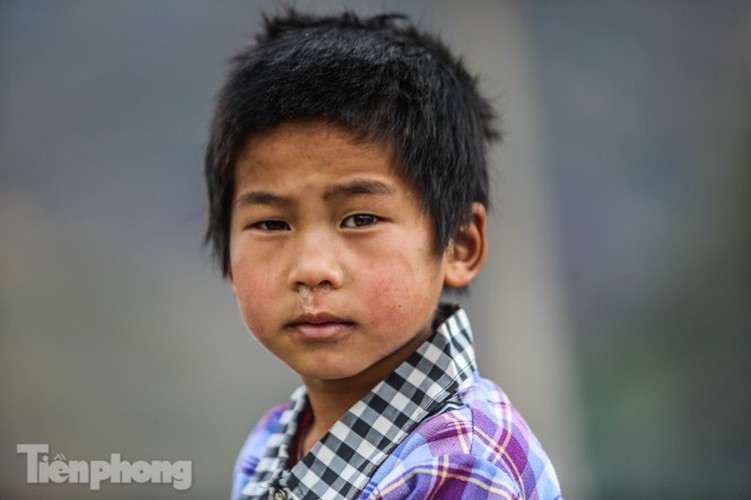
(380, 77)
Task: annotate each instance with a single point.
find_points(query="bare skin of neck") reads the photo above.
(331, 399)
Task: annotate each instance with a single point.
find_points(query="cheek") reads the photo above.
(396, 289)
(254, 295)
(387, 292)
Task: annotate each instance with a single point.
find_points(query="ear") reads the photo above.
(466, 253)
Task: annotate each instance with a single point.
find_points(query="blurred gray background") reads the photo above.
(615, 308)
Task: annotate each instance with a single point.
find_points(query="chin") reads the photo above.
(327, 369)
(326, 373)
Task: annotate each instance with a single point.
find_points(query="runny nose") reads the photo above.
(307, 295)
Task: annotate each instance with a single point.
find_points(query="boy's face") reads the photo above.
(332, 260)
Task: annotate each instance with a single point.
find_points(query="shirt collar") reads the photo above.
(341, 464)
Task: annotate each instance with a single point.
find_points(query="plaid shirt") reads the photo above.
(431, 428)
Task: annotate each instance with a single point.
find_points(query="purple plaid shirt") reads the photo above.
(431, 429)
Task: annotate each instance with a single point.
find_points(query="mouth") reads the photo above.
(320, 326)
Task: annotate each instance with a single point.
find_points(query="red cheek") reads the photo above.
(388, 291)
(254, 287)
(259, 294)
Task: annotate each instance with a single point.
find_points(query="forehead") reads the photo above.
(301, 151)
(319, 145)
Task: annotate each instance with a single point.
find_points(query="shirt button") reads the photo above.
(280, 495)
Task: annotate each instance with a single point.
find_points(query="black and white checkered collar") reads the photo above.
(340, 465)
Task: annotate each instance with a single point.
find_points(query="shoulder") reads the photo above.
(255, 446)
(479, 448)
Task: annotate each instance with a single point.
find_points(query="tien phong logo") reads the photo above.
(40, 469)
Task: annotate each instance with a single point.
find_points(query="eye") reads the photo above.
(360, 220)
(271, 225)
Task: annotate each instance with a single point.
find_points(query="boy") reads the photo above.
(348, 185)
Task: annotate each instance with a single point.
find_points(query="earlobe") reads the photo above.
(467, 251)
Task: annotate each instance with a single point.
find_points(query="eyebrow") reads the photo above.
(354, 188)
(262, 198)
(357, 188)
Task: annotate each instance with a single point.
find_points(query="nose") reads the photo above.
(316, 261)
